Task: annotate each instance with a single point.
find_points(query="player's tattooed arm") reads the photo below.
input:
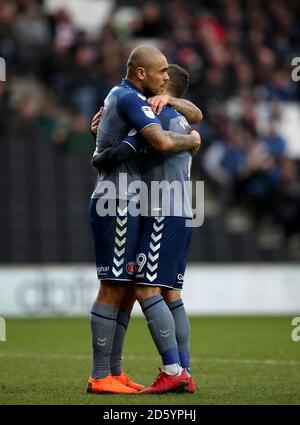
(170, 142)
(181, 141)
(186, 108)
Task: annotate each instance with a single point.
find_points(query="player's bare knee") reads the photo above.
(143, 292)
(128, 299)
(170, 295)
(110, 293)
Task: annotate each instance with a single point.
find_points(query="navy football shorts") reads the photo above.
(116, 239)
(162, 252)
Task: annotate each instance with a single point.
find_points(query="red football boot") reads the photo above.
(165, 383)
(191, 388)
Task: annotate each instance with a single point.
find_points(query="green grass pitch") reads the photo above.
(235, 360)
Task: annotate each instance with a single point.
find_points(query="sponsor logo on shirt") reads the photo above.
(102, 269)
(148, 111)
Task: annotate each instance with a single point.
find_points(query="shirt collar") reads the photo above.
(132, 85)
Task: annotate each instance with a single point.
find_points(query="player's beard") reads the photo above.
(153, 91)
(163, 88)
(149, 92)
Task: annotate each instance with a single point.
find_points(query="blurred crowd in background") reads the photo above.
(238, 54)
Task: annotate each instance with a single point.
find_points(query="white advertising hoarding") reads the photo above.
(218, 290)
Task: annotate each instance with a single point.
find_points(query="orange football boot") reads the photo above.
(125, 380)
(108, 385)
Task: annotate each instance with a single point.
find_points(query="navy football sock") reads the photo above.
(162, 328)
(182, 331)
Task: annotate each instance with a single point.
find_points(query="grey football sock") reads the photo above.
(117, 348)
(103, 326)
(162, 328)
(182, 326)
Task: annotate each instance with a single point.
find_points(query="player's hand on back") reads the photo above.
(197, 138)
(158, 102)
(95, 121)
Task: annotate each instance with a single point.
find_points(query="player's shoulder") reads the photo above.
(167, 115)
(132, 100)
(174, 121)
(169, 112)
(128, 95)
(117, 91)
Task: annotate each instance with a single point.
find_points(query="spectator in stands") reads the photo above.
(286, 203)
(225, 159)
(274, 143)
(258, 179)
(78, 137)
(33, 38)
(151, 23)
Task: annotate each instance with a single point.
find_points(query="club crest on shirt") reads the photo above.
(130, 268)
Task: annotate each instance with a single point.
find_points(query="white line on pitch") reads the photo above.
(135, 358)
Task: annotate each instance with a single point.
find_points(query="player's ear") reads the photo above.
(140, 73)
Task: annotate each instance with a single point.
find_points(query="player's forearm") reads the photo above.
(168, 141)
(180, 142)
(110, 158)
(186, 108)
